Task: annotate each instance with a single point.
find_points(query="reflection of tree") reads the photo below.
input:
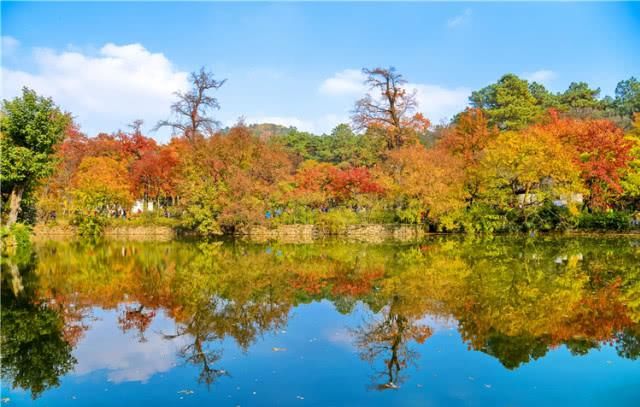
(34, 351)
(513, 299)
(215, 319)
(388, 339)
(136, 317)
(628, 343)
(200, 351)
(513, 351)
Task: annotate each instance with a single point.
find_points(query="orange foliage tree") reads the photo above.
(467, 139)
(426, 184)
(101, 184)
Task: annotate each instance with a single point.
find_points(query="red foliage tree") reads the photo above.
(601, 153)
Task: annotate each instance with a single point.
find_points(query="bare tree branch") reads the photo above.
(192, 109)
(390, 109)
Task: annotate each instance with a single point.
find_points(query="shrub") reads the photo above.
(336, 220)
(605, 221)
(552, 218)
(90, 226)
(16, 237)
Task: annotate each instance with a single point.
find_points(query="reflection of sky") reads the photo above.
(122, 355)
(319, 362)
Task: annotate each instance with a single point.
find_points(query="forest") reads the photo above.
(519, 158)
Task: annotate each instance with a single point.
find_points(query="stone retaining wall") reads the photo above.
(308, 233)
(135, 232)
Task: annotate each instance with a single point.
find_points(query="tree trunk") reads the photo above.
(14, 204)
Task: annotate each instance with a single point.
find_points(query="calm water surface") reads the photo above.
(504, 321)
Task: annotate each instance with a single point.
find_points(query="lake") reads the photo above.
(505, 321)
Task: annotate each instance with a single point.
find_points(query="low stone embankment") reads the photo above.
(308, 233)
(124, 232)
(283, 233)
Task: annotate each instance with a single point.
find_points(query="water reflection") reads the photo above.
(513, 299)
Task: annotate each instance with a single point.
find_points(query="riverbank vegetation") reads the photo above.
(520, 158)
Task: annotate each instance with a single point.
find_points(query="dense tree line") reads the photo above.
(519, 158)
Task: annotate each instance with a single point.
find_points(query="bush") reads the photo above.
(155, 218)
(605, 221)
(483, 219)
(552, 218)
(297, 215)
(15, 237)
(90, 226)
(336, 220)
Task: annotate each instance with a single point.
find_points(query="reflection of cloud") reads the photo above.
(341, 337)
(125, 359)
(438, 323)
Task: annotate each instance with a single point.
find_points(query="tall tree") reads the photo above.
(467, 139)
(393, 109)
(508, 103)
(601, 154)
(631, 181)
(627, 101)
(580, 96)
(522, 170)
(100, 184)
(30, 128)
(193, 108)
(545, 99)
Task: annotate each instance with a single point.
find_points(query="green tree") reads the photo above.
(30, 128)
(508, 103)
(580, 96)
(627, 101)
(544, 98)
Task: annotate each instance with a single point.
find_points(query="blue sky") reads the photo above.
(298, 63)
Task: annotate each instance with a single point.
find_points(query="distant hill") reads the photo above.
(266, 130)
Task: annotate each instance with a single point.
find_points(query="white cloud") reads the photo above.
(541, 76)
(9, 44)
(439, 103)
(104, 91)
(436, 102)
(347, 82)
(460, 19)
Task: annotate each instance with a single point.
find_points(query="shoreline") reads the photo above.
(299, 233)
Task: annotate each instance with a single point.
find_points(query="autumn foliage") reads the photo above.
(519, 158)
(600, 151)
